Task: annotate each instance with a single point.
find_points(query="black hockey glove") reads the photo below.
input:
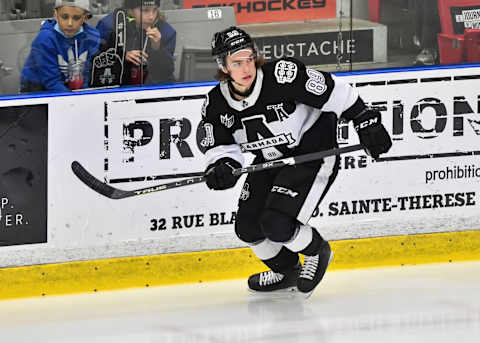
(372, 134)
(219, 174)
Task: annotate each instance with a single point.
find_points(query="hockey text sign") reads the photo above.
(146, 137)
(427, 182)
(319, 47)
(263, 11)
(154, 139)
(23, 172)
(428, 118)
(434, 121)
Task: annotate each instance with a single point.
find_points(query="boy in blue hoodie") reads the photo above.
(60, 58)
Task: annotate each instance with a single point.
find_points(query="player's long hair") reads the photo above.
(221, 76)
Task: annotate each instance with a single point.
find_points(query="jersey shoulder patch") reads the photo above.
(284, 71)
(213, 101)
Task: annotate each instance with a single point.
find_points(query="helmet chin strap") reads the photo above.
(236, 91)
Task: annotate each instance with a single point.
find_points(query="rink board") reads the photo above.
(208, 266)
(134, 138)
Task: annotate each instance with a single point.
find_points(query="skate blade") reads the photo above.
(292, 289)
(307, 295)
(330, 259)
(280, 293)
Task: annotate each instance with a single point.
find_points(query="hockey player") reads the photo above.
(276, 110)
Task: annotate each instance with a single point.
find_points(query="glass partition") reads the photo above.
(144, 42)
(420, 33)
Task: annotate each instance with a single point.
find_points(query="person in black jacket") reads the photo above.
(138, 46)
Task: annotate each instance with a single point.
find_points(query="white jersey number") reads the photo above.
(316, 82)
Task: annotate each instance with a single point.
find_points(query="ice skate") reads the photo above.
(271, 281)
(313, 269)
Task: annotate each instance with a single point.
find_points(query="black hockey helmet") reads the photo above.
(129, 4)
(229, 41)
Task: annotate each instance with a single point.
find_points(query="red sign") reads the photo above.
(266, 11)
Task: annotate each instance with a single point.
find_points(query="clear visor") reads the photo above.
(221, 59)
(241, 50)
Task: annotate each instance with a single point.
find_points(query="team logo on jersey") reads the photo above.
(285, 71)
(227, 121)
(284, 191)
(107, 77)
(245, 194)
(279, 111)
(316, 82)
(284, 139)
(209, 139)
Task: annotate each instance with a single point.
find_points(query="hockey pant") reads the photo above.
(275, 206)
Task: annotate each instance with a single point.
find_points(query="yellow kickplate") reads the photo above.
(204, 266)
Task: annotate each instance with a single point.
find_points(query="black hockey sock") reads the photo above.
(314, 247)
(285, 261)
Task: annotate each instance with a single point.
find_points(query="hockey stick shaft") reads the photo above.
(297, 159)
(115, 193)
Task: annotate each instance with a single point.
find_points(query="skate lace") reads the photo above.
(270, 277)
(309, 267)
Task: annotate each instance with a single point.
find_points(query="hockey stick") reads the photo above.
(115, 193)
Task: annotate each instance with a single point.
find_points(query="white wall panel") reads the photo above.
(435, 125)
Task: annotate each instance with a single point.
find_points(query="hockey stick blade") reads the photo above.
(95, 184)
(115, 193)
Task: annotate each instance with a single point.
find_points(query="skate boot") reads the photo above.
(271, 281)
(313, 269)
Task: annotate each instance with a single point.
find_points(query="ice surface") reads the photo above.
(426, 303)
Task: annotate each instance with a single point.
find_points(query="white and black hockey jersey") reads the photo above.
(287, 99)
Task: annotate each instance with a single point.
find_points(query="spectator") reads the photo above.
(148, 45)
(60, 56)
(427, 25)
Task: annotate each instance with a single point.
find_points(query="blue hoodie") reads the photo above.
(46, 67)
